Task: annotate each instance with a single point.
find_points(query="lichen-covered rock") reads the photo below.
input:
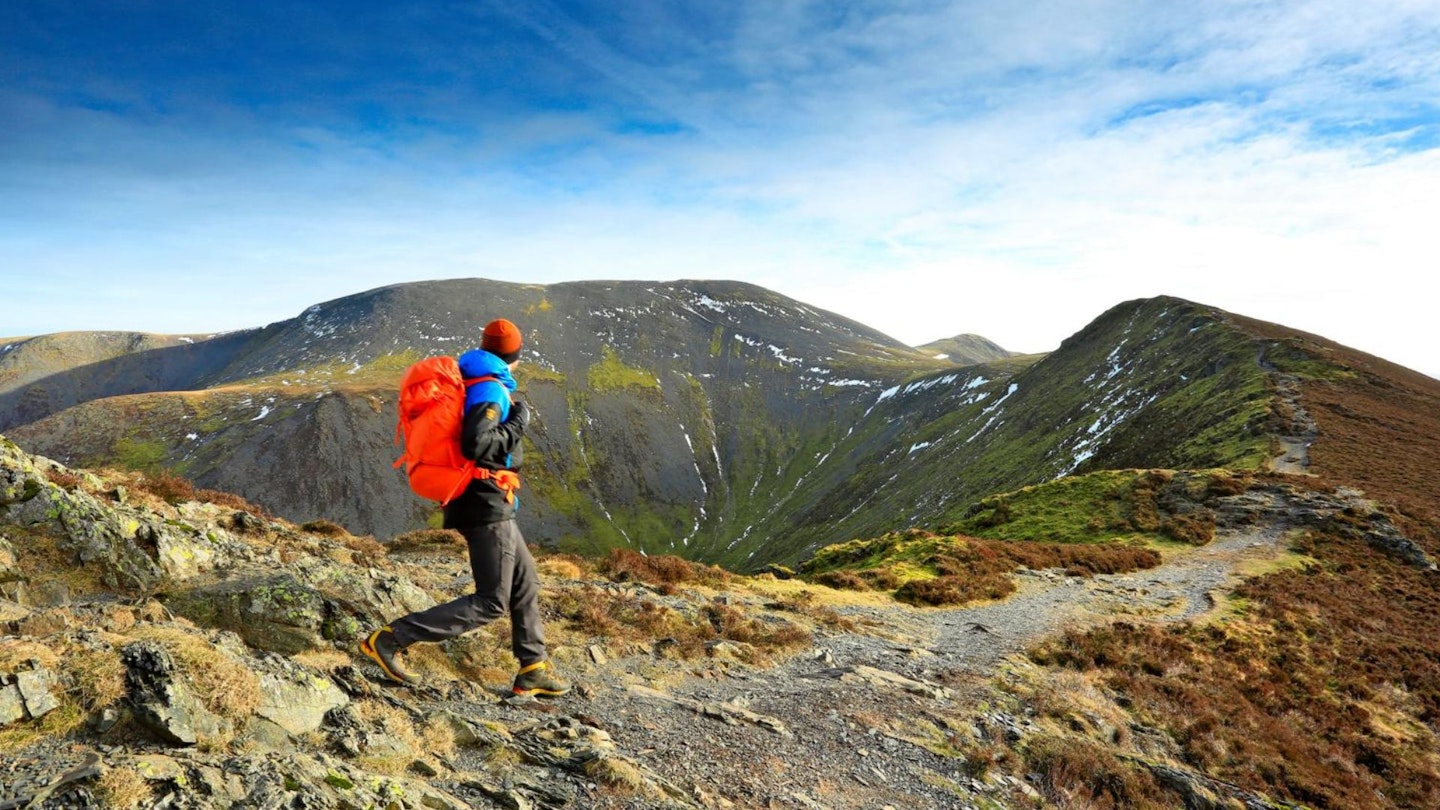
(379, 594)
(36, 687)
(277, 612)
(27, 695)
(294, 611)
(295, 698)
(133, 548)
(19, 479)
(12, 705)
(12, 579)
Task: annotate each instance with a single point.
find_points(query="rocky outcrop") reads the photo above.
(306, 607)
(295, 698)
(164, 702)
(131, 548)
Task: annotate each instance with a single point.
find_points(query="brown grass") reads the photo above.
(123, 788)
(228, 687)
(844, 580)
(325, 528)
(1078, 772)
(426, 540)
(399, 728)
(1327, 692)
(559, 568)
(954, 590)
(594, 613)
(970, 569)
(1379, 425)
(627, 565)
(171, 488)
(806, 604)
(65, 479)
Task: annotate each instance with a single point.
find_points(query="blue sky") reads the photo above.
(928, 168)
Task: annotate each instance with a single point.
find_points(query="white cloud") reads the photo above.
(927, 169)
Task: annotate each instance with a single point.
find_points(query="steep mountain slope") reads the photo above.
(1153, 383)
(722, 421)
(654, 399)
(966, 350)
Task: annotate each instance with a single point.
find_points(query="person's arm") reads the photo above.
(484, 438)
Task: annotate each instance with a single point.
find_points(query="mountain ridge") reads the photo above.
(711, 419)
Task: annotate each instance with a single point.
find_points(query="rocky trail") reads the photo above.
(820, 739)
(268, 713)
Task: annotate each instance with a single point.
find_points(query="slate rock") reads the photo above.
(295, 698)
(162, 701)
(12, 704)
(36, 688)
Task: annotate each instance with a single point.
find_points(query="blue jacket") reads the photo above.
(480, 363)
(490, 437)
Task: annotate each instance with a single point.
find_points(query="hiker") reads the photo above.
(484, 512)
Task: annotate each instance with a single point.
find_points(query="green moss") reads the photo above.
(1089, 508)
(717, 341)
(526, 374)
(609, 374)
(339, 781)
(139, 454)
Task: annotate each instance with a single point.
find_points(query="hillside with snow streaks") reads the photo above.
(1160, 382)
(714, 419)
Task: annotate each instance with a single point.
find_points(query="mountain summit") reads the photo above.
(716, 420)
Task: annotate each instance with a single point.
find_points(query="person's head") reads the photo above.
(502, 339)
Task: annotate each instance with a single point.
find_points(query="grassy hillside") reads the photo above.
(1154, 383)
(1316, 683)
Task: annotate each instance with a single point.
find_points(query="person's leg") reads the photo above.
(527, 635)
(492, 563)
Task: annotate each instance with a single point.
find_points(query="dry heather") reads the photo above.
(1379, 423)
(1323, 688)
(928, 569)
(1317, 693)
(666, 571)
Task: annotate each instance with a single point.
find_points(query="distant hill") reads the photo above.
(716, 420)
(966, 350)
(655, 402)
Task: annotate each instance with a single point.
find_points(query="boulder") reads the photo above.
(294, 611)
(19, 479)
(27, 695)
(295, 698)
(161, 699)
(97, 534)
(36, 690)
(12, 705)
(274, 612)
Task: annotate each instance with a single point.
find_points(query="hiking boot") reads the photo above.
(381, 648)
(539, 680)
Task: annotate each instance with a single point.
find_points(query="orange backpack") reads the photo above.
(432, 410)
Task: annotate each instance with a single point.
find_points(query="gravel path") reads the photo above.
(837, 749)
(975, 639)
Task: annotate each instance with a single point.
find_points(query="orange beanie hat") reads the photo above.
(502, 338)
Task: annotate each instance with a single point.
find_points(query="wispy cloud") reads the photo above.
(958, 166)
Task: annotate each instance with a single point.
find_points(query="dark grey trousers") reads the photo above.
(505, 580)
